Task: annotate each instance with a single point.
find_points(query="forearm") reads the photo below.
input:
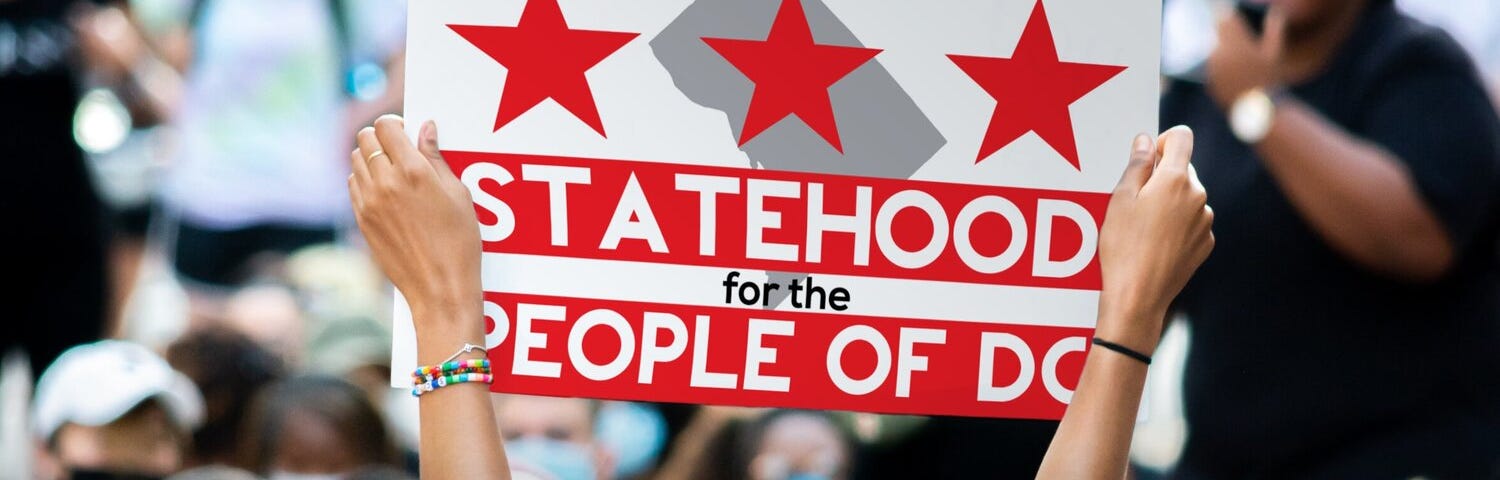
(159, 71)
(1093, 441)
(117, 50)
(159, 84)
(459, 437)
(1355, 195)
(418, 220)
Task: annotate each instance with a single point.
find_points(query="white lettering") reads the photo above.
(988, 342)
(819, 223)
(709, 187)
(887, 242)
(557, 178)
(757, 219)
(505, 218)
(522, 364)
(633, 205)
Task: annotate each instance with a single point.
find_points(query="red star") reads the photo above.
(791, 74)
(1033, 89)
(545, 59)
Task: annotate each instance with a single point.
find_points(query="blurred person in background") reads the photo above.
(704, 446)
(781, 444)
(1345, 326)
(116, 125)
(271, 90)
(798, 445)
(961, 447)
(377, 473)
(229, 369)
(213, 472)
(56, 245)
(357, 350)
(346, 305)
(315, 426)
(1476, 26)
(635, 434)
(553, 437)
(113, 410)
(271, 314)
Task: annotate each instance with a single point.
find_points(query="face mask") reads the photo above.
(778, 467)
(564, 460)
(102, 475)
(284, 475)
(634, 432)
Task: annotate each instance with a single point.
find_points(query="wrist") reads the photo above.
(441, 332)
(447, 312)
(444, 295)
(1129, 322)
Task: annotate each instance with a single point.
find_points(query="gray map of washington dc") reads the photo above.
(884, 134)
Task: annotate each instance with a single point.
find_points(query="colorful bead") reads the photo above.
(425, 373)
(478, 375)
(419, 377)
(432, 377)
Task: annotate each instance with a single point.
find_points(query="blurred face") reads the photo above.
(800, 447)
(143, 442)
(270, 316)
(311, 447)
(551, 434)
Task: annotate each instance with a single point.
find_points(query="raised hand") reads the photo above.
(416, 216)
(1156, 233)
(1242, 60)
(419, 222)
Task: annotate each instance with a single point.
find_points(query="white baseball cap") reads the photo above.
(97, 383)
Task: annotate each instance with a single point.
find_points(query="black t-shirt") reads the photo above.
(53, 220)
(1303, 363)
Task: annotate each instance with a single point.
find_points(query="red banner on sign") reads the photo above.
(759, 219)
(692, 354)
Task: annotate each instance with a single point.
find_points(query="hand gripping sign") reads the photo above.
(836, 204)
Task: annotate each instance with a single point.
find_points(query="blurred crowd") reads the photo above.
(191, 301)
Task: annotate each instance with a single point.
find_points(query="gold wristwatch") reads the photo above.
(1251, 114)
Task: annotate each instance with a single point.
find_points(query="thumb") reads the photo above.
(427, 143)
(1273, 36)
(1176, 148)
(1142, 162)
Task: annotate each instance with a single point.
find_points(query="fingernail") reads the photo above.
(427, 133)
(1142, 144)
(400, 122)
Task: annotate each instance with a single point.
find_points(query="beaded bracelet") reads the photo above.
(426, 373)
(462, 371)
(443, 381)
(423, 378)
(419, 381)
(451, 372)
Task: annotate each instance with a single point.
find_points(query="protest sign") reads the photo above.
(835, 204)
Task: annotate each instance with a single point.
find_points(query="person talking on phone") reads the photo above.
(1345, 327)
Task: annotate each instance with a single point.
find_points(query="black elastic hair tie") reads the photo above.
(1123, 350)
